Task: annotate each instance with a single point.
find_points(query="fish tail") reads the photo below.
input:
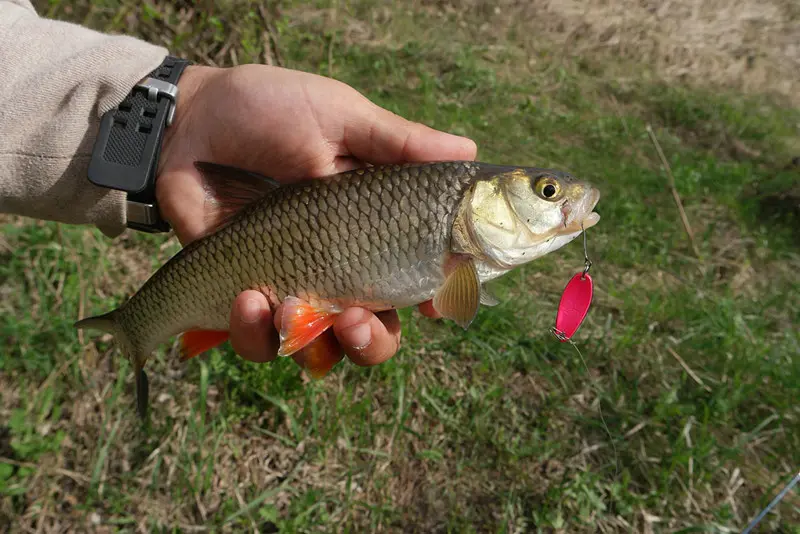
(105, 323)
(142, 391)
(109, 323)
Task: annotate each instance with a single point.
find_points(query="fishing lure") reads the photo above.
(575, 301)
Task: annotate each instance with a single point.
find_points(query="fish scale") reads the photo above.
(367, 234)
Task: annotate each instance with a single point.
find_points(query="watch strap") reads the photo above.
(128, 143)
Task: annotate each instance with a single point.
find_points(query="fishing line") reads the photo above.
(600, 410)
(561, 336)
(786, 489)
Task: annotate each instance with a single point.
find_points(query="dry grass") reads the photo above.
(496, 429)
(749, 45)
(746, 45)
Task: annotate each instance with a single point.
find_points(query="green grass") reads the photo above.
(497, 429)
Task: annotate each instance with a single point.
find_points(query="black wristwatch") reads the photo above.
(125, 154)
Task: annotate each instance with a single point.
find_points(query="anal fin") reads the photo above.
(194, 342)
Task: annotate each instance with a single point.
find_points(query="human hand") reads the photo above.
(287, 125)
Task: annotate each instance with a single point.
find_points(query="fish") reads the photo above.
(380, 237)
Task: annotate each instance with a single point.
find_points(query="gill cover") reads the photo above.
(513, 215)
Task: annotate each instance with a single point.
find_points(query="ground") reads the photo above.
(683, 416)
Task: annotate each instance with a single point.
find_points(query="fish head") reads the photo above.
(522, 214)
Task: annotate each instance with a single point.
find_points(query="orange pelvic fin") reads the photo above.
(194, 342)
(302, 323)
(319, 356)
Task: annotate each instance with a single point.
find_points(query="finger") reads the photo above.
(252, 334)
(277, 317)
(427, 309)
(367, 338)
(378, 136)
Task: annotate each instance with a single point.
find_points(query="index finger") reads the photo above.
(377, 135)
(368, 338)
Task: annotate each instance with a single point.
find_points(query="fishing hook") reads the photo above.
(587, 263)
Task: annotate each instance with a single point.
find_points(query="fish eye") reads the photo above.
(548, 188)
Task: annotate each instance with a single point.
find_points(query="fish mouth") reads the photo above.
(578, 226)
(590, 220)
(582, 216)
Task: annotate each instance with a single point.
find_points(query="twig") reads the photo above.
(330, 54)
(273, 34)
(226, 48)
(43, 514)
(55, 374)
(589, 450)
(77, 477)
(690, 501)
(674, 190)
(635, 429)
(688, 370)
(267, 48)
(243, 506)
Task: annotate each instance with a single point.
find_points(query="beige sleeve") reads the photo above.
(56, 80)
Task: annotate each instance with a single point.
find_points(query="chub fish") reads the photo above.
(380, 237)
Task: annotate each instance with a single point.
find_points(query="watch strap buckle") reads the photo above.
(144, 216)
(156, 88)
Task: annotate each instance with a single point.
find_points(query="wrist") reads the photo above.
(189, 85)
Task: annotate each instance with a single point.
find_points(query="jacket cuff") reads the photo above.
(58, 80)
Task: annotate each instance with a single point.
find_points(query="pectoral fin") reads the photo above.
(458, 299)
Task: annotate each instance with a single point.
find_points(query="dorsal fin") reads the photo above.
(229, 190)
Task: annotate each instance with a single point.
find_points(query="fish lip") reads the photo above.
(586, 221)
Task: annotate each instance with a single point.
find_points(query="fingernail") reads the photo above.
(360, 335)
(251, 312)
